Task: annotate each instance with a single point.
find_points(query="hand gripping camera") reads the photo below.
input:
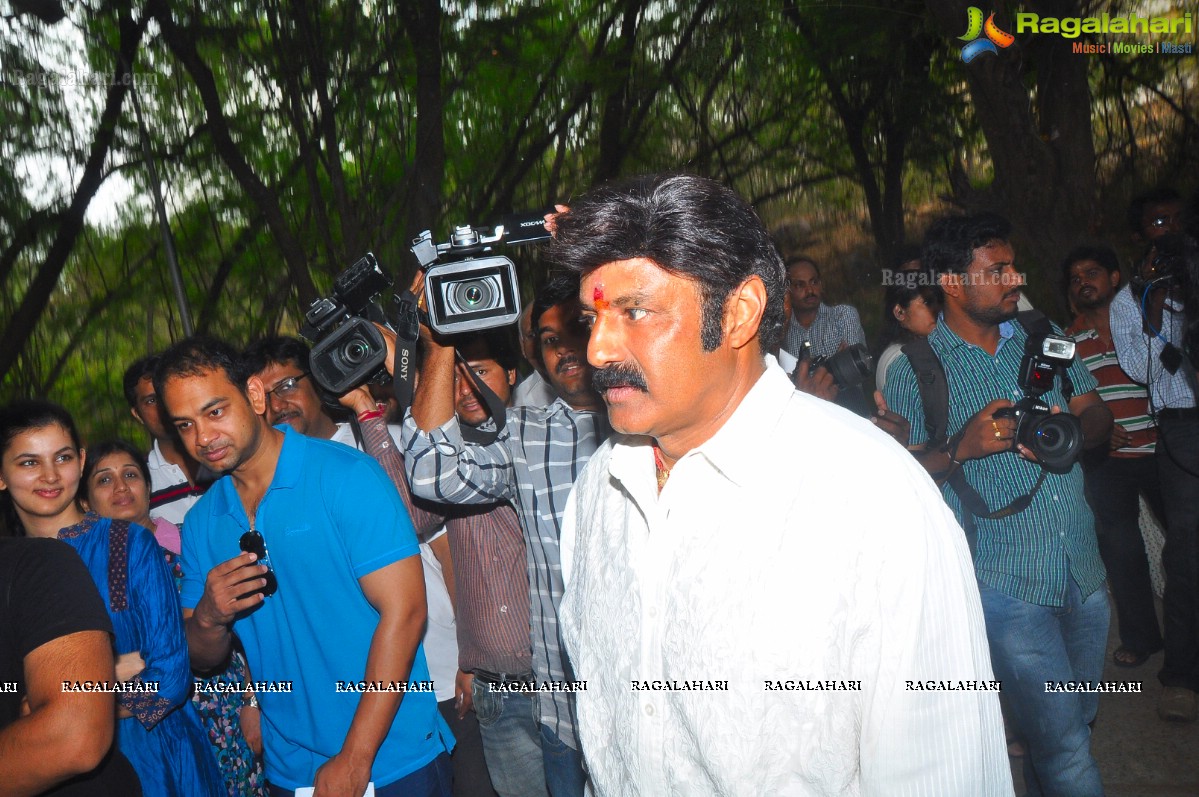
(1056, 440)
(471, 290)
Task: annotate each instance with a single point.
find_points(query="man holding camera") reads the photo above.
(324, 526)
(1039, 573)
(1148, 321)
(533, 463)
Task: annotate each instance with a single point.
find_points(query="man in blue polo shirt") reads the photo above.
(1039, 573)
(343, 628)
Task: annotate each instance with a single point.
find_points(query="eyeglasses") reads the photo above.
(286, 388)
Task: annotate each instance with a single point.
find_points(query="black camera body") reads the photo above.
(1055, 439)
(848, 367)
(347, 349)
(469, 288)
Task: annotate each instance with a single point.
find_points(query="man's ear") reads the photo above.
(743, 312)
(136, 417)
(951, 283)
(256, 394)
(512, 377)
(899, 313)
(1116, 278)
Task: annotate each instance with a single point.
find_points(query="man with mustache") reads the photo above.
(532, 463)
(750, 622)
(1039, 573)
(1117, 475)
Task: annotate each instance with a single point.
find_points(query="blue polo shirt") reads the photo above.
(329, 517)
(1033, 554)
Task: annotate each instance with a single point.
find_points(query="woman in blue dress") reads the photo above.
(116, 482)
(41, 465)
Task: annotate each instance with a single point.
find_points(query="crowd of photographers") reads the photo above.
(426, 582)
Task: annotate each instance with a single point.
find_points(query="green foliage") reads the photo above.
(341, 127)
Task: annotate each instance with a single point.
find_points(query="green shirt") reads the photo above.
(1032, 554)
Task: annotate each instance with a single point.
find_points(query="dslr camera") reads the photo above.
(467, 289)
(1056, 440)
(848, 367)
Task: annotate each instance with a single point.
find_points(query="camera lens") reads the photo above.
(1055, 439)
(355, 351)
(473, 295)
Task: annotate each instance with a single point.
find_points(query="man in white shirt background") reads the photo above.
(746, 623)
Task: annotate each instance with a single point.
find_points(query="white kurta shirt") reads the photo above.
(798, 548)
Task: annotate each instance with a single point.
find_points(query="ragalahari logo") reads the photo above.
(995, 38)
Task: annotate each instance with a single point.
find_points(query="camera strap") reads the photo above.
(404, 316)
(934, 395)
(495, 408)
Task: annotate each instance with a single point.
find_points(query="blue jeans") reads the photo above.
(511, 740)
(564, 774)
(1031, 645)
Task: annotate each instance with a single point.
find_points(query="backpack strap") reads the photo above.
(934, 390)
(934, 395)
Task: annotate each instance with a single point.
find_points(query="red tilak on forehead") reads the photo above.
(597, 296)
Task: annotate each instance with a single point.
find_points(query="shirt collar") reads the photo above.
(734, 450)
(287, 473)
(947, 340)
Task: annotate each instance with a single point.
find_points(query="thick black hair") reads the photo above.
(278, 349)
(901, 293)
(689, 226)
(140, 369)
(98, 452)
(562, 287)
(950, 242)
(499, 346)
(195, 355)
(1103, 255)
(16, 417)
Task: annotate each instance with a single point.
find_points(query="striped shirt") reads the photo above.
(1140, 354)
(1033, 554)
(533, 464)
(832, 327)
(488, 552)
(1128, 401)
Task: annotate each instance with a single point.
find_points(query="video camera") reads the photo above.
(1173, 262)
(472, 290)
(1056, 440)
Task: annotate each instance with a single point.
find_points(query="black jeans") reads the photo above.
(1114, 486)
(1178, 467)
